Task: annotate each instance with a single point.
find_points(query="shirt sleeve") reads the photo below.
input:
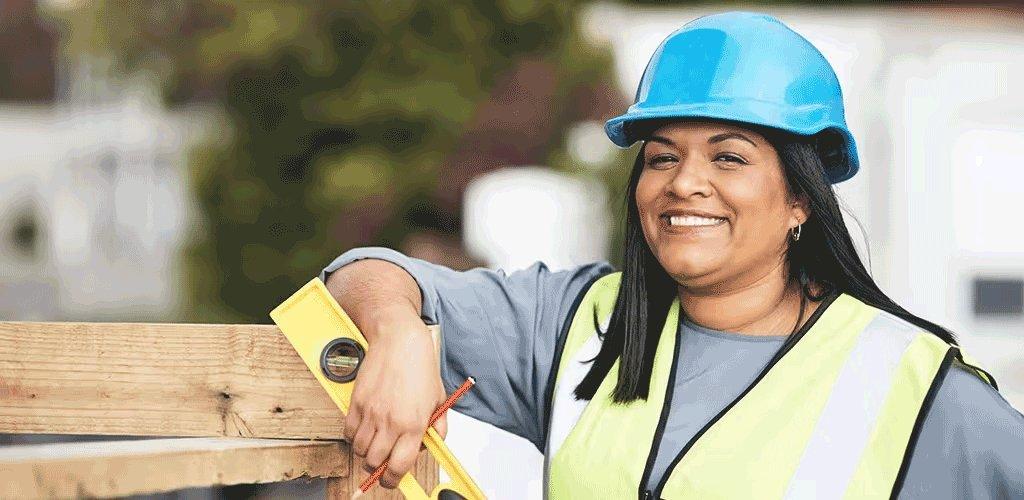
(971, 444)
(501, 329)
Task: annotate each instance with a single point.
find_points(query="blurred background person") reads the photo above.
(199, 160)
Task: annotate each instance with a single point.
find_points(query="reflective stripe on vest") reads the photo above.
(832, 417)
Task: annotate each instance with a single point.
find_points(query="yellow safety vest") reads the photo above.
(832, 416)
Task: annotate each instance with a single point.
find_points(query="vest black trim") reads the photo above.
(926, 405)
(991, 380)
(549, 389)
(642, 492)
(786, 347)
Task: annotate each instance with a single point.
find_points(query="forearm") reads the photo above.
(374, 292)
(400, 383)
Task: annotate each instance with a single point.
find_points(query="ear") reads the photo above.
(799, 209)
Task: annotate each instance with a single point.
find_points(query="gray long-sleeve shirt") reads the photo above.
(503, 330)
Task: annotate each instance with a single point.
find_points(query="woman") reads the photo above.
(742, 352)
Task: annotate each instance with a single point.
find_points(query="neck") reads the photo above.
(767, 305)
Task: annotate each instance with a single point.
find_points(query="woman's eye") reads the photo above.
(731, 158)
(660, 161)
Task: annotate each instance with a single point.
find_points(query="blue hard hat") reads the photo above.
(748, 68)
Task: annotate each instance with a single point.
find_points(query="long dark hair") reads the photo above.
(824, 255)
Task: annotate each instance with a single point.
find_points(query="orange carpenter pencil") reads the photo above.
(448, 403)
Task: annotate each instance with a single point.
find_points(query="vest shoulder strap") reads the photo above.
(974, 367)
(593, 312)
(581, 307)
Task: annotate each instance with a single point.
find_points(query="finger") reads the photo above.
(380, 449)
(363, 439)
(352, 421)
(441, 426)
(402, 460)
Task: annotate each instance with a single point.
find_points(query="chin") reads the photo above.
(686, 269)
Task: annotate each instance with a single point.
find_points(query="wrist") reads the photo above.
(391, 322)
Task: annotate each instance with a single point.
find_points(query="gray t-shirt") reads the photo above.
(503, 330)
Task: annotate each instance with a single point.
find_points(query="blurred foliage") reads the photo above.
(351, 123)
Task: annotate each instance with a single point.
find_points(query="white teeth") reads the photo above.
(693, 220)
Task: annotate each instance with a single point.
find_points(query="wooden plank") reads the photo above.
(120, 468)
(341, 488)
(159, 380)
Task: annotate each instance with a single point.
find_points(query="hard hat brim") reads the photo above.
(805, 120)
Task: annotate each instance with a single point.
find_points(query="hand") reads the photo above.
(396, 391)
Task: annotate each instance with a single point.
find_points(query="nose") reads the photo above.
(691, 179)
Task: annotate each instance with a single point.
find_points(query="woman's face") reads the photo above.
(714, 205)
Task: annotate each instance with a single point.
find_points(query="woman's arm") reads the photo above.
(502, 329)
(971, 444)
(399, 379)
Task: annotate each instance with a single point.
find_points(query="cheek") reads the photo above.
(647, 190)
(761, 213)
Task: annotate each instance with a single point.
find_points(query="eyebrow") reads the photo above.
(663, 140)
(730, 135)
(711, 140)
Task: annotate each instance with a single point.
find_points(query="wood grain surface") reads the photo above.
(120, 468)
(159, 380)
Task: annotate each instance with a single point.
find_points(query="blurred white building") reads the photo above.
(94, 199)
(517, 216)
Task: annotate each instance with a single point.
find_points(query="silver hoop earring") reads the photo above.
(795, 232)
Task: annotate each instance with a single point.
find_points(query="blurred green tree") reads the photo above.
(350, 123)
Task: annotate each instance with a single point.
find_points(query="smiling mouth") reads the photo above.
(684, 221)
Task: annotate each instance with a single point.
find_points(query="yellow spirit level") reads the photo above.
(332, 347)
